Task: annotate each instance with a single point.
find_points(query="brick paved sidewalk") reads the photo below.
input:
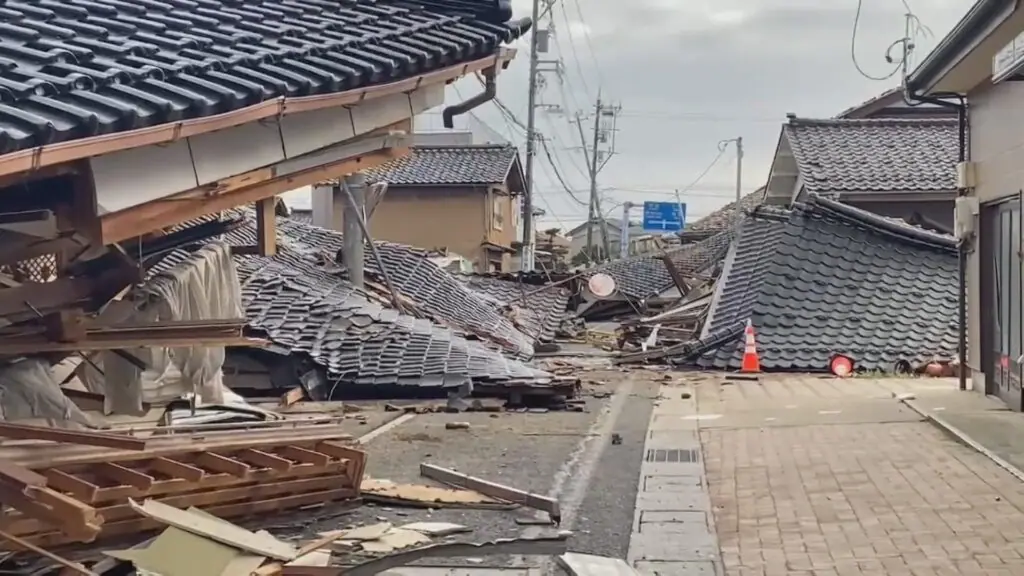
(888, 495)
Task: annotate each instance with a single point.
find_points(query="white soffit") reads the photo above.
(236, 150)
(130, 178)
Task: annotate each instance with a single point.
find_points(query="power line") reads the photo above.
(572, 47)
(590, 45)
(913, 28)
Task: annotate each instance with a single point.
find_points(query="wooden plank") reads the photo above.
(140, 525)
(64, 506)
(292, 396)
(199, 496)
(84, 491)
(74, 566)
(226, 441)
(176, 469)
(222, 532)
(28, 432)
(264, 459)
(126, 476)
(219, 463)
(492, 489)
(302, 455)
(19, 477)
(73, 528)
(266, 226)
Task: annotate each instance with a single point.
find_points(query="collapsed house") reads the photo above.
(335, 340)
(823, 279)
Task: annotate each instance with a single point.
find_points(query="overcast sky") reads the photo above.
(688, 74)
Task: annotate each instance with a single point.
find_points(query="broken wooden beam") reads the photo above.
(493, 489)
(104, 440)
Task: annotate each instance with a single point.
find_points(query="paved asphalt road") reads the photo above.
(567, 454)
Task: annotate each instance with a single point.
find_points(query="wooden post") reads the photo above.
(266, 226)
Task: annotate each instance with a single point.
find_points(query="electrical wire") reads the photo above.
(722, 147)
(900, 63)
(590, 44)
(572, 47)
(853, 49)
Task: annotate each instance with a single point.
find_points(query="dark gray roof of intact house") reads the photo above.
(645, 276)
(537, 313)
(884, 155)
(829, 279)
(76, 69)
(449, 165)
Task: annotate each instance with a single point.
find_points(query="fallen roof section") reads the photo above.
(85, 69)
(306, 309)
(885, 155)
(538, 313)
(642, 277)
(827, 279)
(436, 293)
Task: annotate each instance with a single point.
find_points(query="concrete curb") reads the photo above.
(961, 436)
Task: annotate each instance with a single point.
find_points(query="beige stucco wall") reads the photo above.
(459, 219)
(996, 120)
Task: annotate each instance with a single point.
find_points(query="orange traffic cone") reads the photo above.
(751, 361)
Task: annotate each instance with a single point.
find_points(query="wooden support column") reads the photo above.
(266, 226)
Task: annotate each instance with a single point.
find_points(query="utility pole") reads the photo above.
(739, 163)
(624, 238)
(596, 160)
(526, 254)
(739, 168)
(595, 212)
(353, 221)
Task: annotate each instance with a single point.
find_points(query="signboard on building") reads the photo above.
(664, 216)
(1009, 60)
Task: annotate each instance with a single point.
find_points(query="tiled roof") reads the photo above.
(454, 165)
(725, 217)
(831, 279)
(885, 155)
(310, 311)
(437, 294)
(645, 276)
(78, 68)
(538, 313)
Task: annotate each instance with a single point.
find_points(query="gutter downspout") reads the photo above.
(964, 155)
(490, 91)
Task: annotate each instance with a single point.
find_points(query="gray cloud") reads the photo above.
(688, 74)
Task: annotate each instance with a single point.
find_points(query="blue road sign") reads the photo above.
(664, 216)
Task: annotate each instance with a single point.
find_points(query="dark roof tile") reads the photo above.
(884, 155)
(536, 312)
(455, 165)
(831, 279)
(645, 276)
(76, 68)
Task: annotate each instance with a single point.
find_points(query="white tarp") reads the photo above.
(204, 287)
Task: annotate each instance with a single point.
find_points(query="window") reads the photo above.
(497, 213)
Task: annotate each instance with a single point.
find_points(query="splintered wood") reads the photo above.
(61, 494)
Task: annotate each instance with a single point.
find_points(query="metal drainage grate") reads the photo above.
(670, 456)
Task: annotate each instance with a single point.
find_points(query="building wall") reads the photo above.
(457, 218)
(996, 120)
(940, 211)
